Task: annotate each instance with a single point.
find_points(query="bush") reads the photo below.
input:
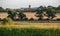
(0, 19)
(7, 21)
(31, 19)
(26, 19)
(58, 19)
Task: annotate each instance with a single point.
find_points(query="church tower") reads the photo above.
(29, 6)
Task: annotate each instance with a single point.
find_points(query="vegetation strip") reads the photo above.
(28, 32)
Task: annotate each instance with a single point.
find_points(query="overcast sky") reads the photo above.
(25, 3)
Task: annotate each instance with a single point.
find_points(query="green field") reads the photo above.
(28, 32)
(30, 29)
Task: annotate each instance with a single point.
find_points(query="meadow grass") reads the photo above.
(28, 32)
(30, 29)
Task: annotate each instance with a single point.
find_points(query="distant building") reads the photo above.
(29, 6)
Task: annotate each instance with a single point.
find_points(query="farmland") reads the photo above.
(28, 15)
(30, 29)
(33, 25)
(44, 21)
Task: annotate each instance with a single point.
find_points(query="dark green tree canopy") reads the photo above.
(2, 9)
(51, 12)
(12, 14)
(58, 8)
(21, 16)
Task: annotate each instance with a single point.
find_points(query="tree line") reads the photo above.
(41, 11)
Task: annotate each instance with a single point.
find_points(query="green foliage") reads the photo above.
(28, 32)
(58, 8)
(7, 21)
(12, 14)
(39, 10)
(51, 12)
(31, 19)
(40, 13)
(2, 9)
(22, 16)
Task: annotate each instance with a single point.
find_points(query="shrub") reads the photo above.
(31, 19)
(7, 21)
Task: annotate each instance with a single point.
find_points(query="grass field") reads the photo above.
(30, 29)
(28, 32)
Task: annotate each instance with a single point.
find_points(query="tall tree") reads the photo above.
(22, 16)
(58, 8)
(12, 14)
(2, 9)
(40, 12)
(51, 12)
